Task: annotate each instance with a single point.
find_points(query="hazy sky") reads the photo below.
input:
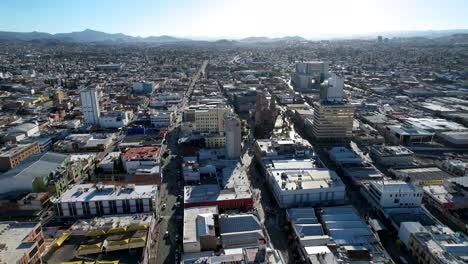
(232, 18)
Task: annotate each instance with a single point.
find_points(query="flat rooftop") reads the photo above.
(91, 192)
(212, 192)
(12, 235)
(192, 226)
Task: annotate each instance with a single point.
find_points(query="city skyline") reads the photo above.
(228, 19)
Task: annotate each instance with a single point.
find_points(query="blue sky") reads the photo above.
(232, 18)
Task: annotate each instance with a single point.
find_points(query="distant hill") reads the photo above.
(87, 35)
(266, 39)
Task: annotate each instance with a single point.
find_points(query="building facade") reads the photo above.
(89, 100)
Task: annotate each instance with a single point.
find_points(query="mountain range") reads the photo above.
(90, 35)
(87, 35)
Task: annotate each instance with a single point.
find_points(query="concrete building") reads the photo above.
(333, 117)
(354, 166)
(162, 119)
(395, 156)
(83, 200)
(392, 194)
(199, 229)
(89, 100)
(333, 122)
(304, 183)
(232, 128)
(138, 159)
(12, 157)
(331, 90)
(434, 244)
(309, 75)
(407, 136)
(117, 119)
(206, 119)
(211, 195)
(21, 242)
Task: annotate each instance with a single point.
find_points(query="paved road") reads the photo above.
(165, 249)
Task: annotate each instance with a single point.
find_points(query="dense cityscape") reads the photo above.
(257, 150)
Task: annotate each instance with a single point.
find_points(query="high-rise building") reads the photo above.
(333, 117)
(309, 75)
(232, 128)
(90, 106)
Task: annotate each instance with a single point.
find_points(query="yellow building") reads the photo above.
(333, 122)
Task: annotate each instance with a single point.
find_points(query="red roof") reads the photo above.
(141, 152)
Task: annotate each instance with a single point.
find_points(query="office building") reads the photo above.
(232, 128)
(333, 117)
(309, 75)
(89, 100)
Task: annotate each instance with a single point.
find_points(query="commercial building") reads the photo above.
(309, 75)
(434, 244)
(84, 143)
(354, 166)
(21, 242)
(12, 157)
(392, 194)
(304, 183)
(232, 128)
(406, 136)
(162, 119)
(117, 119)
(199, 229)
(84, 200)
(137, 160)
(352, 238)
(395, 156)
(123, 237)
(455, 139)
(211, 195)
(240, 231)
(422, 176)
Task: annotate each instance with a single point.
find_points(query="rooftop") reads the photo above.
(11, 240)
(196, 221)
(147, 152)
(99, 192)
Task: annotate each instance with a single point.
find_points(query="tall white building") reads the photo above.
(332, 89)
(89, 100)
(232, 128)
